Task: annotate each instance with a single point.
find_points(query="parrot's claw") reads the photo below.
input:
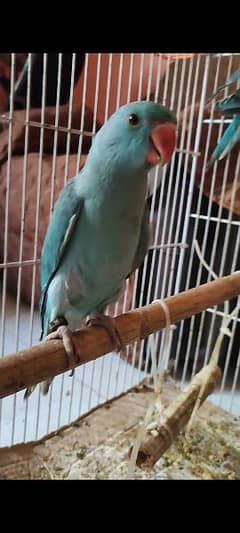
(107, 322)
(66, 335)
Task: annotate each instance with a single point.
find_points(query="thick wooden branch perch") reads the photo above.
(176, 416)
(48, 359)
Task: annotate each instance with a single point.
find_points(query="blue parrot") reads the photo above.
(230, 106)
(98, 234)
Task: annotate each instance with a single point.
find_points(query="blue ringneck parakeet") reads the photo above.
(98, 233)
(229, 107)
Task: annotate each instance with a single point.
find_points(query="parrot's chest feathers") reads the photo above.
(115, 224)
(101, 252)
(108, 236)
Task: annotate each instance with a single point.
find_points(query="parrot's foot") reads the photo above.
(107, 322)
(66, 335)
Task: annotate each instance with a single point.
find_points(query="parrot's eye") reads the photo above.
(133, 119)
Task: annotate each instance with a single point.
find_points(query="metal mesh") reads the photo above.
(181, 212)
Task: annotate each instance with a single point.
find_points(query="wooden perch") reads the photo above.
(48, 359)
(176, 416)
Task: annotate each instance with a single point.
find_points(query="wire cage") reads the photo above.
(52, 107)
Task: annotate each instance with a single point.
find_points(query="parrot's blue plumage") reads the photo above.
(99, 231)
(229, 107)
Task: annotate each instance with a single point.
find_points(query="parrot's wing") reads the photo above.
(65, 217)
(230, 105)
(143, 243)
(232, 79)
(229, 139)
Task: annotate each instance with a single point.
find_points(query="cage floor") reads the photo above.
(96, 445)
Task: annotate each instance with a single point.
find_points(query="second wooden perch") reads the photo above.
(175, 417)
(48, 359)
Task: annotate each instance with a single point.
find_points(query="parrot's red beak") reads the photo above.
(162, 143)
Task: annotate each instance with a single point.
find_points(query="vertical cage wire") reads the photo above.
(36, 235)
(6, 220)
(70, 110)
(55, 141)
(53, 176)
(130, 76)
(83, 105)
(22, 229)
(65, 180)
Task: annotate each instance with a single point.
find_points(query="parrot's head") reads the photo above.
(138, 136)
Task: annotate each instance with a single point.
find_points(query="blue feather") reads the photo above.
(232, 79)
(229, 139)
(229, 107)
